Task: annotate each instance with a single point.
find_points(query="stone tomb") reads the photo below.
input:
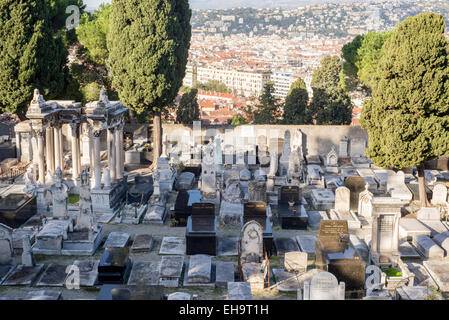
(185, 181)
(385, 230)
(144, 273)
(322, 199)
(324, 286)
(117, 240)
(183, 206)
(114, 266)
(54, 276)
(257, 211)
(201, 232)
(142, 243)
(427, 247)
(6, 245)
(88, 272)
(291, 212)
(157, 210)
(199, 271)
(173, 246)
(23, 275)
(170, 271)
(16, 209)
(335, 253)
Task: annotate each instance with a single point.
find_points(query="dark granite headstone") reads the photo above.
(335, 253)
(201, 232)
(291, 213)
(114, 266)
(16, 209)
(141, 190)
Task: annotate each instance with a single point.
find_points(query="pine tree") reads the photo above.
(408, 117)
(268, 109)
(31, 56)
(148, 46)
(296, 103)
(188, 109)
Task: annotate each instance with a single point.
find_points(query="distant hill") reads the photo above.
(220, 4)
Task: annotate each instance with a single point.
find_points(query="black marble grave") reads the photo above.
(141, 191)
(201, 231)
(292, 214)
(257, 211)
(335, 254)
(16, 209)
(114, 266)
(183, 206)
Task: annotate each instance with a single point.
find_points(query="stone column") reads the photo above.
(61, 148)
(50, 150)
(57, 147)
(86, 148)
(96, 159)
(75, 151)
(41, 155)
(111, 153)
(118, 152)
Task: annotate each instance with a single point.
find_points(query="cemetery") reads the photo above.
(228, 213)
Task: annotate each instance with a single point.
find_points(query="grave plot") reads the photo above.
(145, 273)
(173, 246)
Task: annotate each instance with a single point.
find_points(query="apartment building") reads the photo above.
(282, 83)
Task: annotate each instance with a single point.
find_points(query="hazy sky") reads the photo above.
(220, 4)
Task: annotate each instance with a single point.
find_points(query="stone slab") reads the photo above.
(422, 276)
(23, 276)
(227, 247)
(314, 220)
(170, 270)
(427, 247)
(296, 282)
(407, 251)
(200, 268)
(442, 239)
(408, 228)
(179, 296)
(54, 276)
(44, 295)
(88, 272)
(307, 244)
(5, 271)
(284, 245)
(173, 246)
(117, 240)
(439, 271)
(142, 243)
(145, 273)
(224, 274)
(413, 293)
(239, 291)
(295, 261)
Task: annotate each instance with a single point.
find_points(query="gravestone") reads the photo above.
(291, 212)
(439, 270)
(16, 209)
(59, 191)
(257, 191)
(88, 271)
(179, 296)
(285, 245)
(295, 261)
(114, 266)
(208, 174)
(185, 181)
(257, 211)
(357, 147)
(365, 208)
(117, 240)
(201, 232)
(342, 199)
(439, 195)
(427, 247)
(323, 199)
(286, 150)
(385, 229)
(142, 243)
(324, 286)
(356, 185)
(54, 276)
(27, 254)
(251, 243)
(307, 244)
(335, 253)
(428, 214)
(343, 150)
(396, 186)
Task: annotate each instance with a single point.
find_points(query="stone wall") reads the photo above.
(316, 139)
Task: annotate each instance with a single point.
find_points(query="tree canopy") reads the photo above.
(188, 109)
(212, 85)
(330, 105)
(296, 103)
(408, 117)
(31, 55)
(267, 111)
